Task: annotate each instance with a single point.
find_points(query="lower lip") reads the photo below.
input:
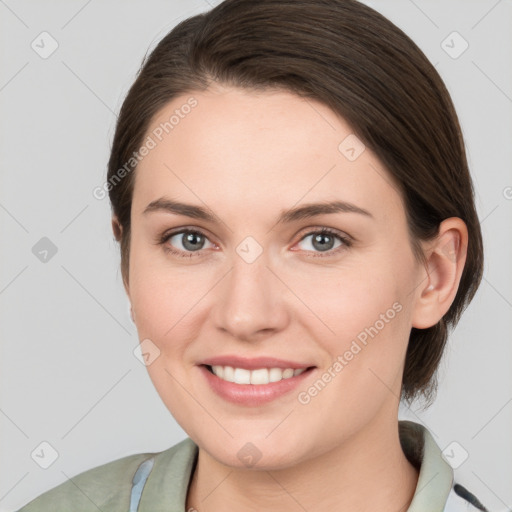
(252, 394)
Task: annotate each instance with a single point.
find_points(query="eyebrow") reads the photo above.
(287, 216)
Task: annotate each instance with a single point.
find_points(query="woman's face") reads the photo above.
(259, 281)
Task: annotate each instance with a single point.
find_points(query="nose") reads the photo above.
(251, 301)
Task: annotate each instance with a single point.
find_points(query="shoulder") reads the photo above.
(105, 487)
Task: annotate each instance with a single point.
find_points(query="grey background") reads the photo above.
(68, 373)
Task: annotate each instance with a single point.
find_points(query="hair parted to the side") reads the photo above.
(354, 60)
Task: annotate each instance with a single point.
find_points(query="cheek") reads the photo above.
(349, 300)
(363, 370)
(164, 298)
(365, 325)
(166, 307)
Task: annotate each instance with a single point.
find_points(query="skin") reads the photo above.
(247, 156)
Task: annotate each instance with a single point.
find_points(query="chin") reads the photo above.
(260, 453)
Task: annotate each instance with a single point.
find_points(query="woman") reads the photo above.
(290, 191)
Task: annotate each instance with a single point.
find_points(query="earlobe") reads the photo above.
(446, 257)
(117, 229)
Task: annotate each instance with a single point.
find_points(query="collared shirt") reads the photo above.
(158, 482)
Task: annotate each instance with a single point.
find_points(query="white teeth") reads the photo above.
(229, 373)
(287, 373)
(259, 376)
(275, 374)
(219, 371)
(242, 376)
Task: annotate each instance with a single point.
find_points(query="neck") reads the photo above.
(368, 471)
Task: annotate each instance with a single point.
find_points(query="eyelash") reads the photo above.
(346, 242)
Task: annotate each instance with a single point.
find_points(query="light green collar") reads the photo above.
(436, 475)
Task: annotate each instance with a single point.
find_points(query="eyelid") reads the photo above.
(324, 229)
(168, 233)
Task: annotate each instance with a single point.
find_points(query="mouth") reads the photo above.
(258, 376)
(254, 387)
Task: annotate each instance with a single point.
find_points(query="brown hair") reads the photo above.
(363, 67)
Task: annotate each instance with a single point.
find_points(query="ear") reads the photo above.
(446, 257)
(117, 229)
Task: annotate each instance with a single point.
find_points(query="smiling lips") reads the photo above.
(253, 381)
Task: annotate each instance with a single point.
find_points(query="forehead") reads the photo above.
(236, 147)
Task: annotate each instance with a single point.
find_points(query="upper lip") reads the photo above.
(253, 363)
